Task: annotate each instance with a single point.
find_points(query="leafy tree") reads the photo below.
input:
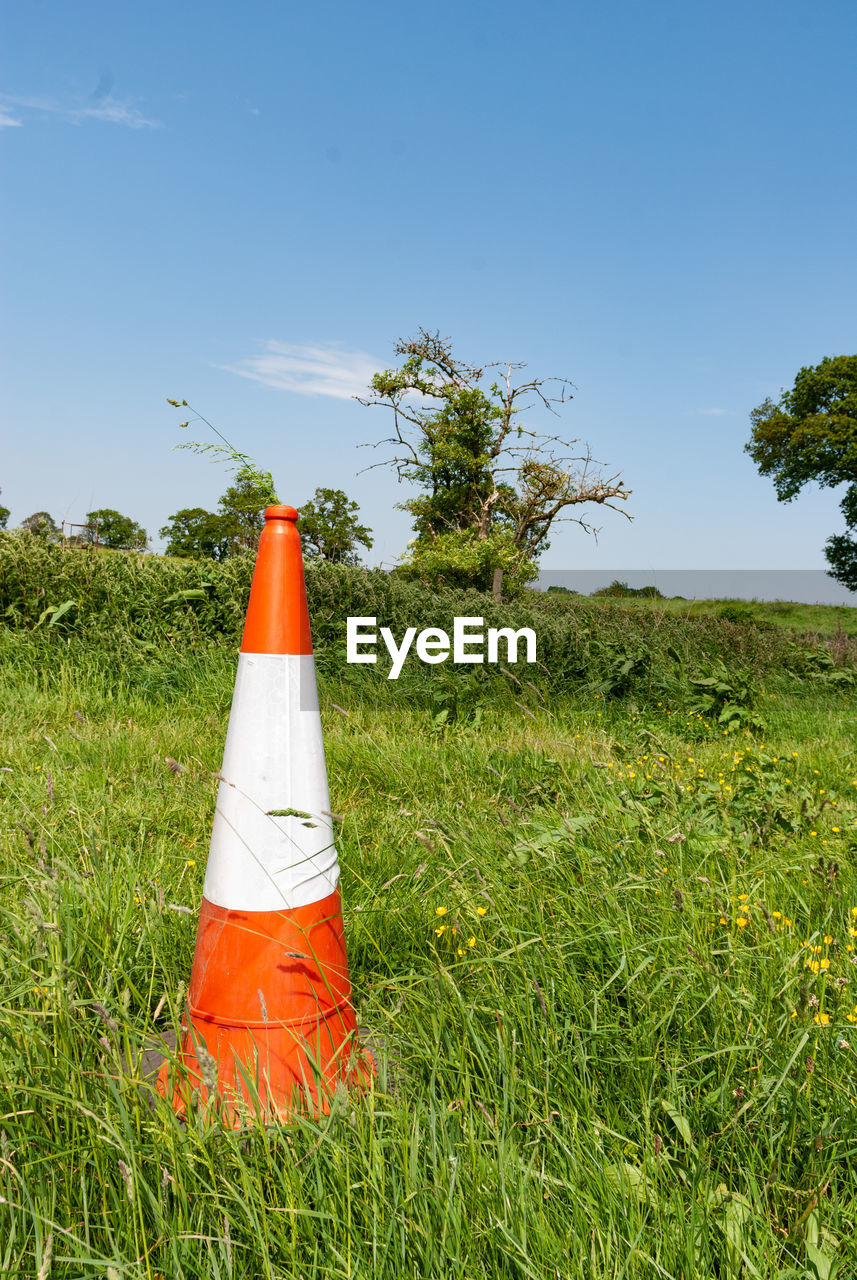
(486, 476)
(198, 534)
(242, 507)
(42, 525)
(233, 528)
(4, 514)
(329, 527)
(114, 530)
(810, 434)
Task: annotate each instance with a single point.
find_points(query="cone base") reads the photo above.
(270, 1076)
(270, 1028)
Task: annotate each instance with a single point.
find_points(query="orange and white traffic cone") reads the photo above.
(270, 1025)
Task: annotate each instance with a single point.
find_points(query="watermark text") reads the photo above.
(470, 643)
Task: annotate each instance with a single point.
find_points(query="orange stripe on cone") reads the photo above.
(270, 1027)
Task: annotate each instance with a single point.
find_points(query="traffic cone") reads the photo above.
(270, 1026)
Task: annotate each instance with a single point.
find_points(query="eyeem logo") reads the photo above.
(433, 644)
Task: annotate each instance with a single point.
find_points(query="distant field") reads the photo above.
(816, 619)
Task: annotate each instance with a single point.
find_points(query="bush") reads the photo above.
(131, 602)
(621, 591)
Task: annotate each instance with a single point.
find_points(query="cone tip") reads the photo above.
(280, 513)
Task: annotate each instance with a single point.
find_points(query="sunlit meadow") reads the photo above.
(601, 929)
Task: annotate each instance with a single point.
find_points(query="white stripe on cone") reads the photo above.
(273, 760)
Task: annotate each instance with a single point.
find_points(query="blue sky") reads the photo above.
(245, 206)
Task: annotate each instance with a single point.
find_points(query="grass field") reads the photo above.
(812, 619)
(603, 950)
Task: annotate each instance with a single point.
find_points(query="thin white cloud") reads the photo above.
(114, 111)
(323, 369)
(713, 413)
(104, 107)
(7, 121)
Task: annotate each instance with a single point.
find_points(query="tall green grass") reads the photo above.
(581, 930)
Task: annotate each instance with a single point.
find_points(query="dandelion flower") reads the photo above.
(822, 1019)
(742, 922)
(482, 911)
(440, 911)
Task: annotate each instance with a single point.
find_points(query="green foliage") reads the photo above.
(840, 552)
(460, 558)
(118, 532)
(242, 506)
(42, 525)
(737, 611)
(235, 528)
(729, 698)
(330, 529)
(810, 434)
(197, 534)
(635, 655)
(4, 515)
(621, 591)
